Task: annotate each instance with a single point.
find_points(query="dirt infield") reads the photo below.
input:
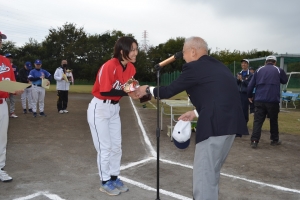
(53, 157)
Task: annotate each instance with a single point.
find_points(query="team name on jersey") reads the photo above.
(4, 68)
(7, 79)
(118, 85)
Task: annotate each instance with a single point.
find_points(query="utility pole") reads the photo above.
(144, 46)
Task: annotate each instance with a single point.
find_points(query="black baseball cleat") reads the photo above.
(42, 114)
(34, 114)
(275, 142)
(254, 144)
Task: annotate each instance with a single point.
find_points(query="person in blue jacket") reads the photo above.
(243, 78)
(266, 80)
(212, 90)
(38, 92)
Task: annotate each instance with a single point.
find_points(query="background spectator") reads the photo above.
(23, 76)
(266, 80)
(243, 79)
(12, 96)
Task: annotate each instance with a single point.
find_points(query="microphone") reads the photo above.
(171, 59)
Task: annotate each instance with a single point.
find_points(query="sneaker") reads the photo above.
(65, 111)
(275, 143)
(61, 111)
(13, 115)
(42, 114)
(24, 111)
(4, 177)
(254, 144)
(34, 114)
(30, 110)
(120, 185)
(109, 188)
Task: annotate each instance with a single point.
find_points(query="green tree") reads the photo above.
(30, 51)
(66, 42)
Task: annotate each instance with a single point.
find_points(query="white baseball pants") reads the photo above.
(105, 124)
(38, 95)
(26, 95)
(4, 119)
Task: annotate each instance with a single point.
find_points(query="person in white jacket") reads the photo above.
(62, 87)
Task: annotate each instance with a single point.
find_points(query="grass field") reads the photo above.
(288, 119)
(75, 88)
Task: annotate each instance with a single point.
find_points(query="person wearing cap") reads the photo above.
(23, 76)
(6, 73)
(243, 78)
(62, 87)
(12, 96)
(38, 92)
(212, 90)
(266, 80)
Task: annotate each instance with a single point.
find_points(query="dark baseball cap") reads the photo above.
(8, 55)
(3, 36)
(28, 65)
(38, 62)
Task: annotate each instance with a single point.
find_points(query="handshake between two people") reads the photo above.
(135, 91)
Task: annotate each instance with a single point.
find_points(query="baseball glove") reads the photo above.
(131, 85)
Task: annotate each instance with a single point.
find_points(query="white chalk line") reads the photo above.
(165, 192)
(136, 163)
(277, 187)
(45, 193)
(152, 104)
(146, 138)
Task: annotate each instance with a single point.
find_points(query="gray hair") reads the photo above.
(196, 42)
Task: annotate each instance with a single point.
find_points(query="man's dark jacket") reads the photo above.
(266, 80)
(23, 75)
(212, 89)
(242, 85)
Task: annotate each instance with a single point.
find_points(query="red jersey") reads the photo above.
(112, 75)
(6, 73)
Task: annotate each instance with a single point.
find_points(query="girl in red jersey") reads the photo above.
(103, 113)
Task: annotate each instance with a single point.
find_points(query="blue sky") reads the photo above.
(229, 24)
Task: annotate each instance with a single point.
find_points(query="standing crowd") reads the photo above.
(39, 78)
(260, 93)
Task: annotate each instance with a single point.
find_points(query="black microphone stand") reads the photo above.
(157, 68)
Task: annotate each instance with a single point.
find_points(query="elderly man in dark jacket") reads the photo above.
(212, 90)
(266, 80)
